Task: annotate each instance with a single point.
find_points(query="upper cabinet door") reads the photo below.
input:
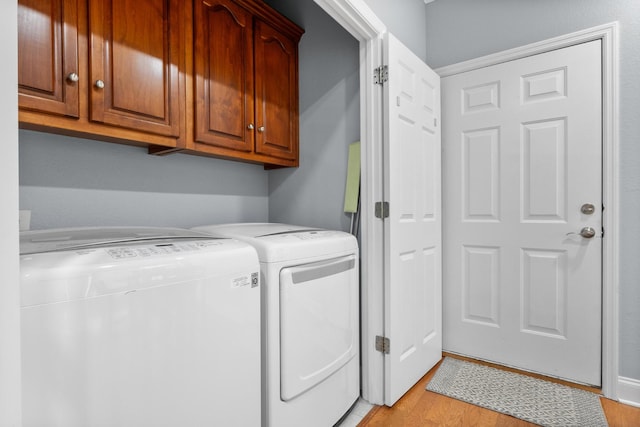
(223, 60)
(48, 56)
(136, 51)
(276, 73)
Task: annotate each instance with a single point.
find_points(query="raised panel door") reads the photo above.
(413, 239)
(223, 61)
(522, 155)
(136, 52)
(276, 75)
(48, 56)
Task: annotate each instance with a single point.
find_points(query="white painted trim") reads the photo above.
(608, 33)
(611, 200)
(629, 391)
(10, 379)
(357, 18)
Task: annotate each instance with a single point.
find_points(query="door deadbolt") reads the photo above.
(588, 209)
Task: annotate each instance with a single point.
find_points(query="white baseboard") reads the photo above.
(629, 391)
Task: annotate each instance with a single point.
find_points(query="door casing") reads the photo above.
(362, 23)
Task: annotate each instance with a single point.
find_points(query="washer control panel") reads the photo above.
(144, 251)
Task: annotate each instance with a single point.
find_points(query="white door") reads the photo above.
(522, 162)
(413, 269)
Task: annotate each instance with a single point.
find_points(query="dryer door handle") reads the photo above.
(319, 270)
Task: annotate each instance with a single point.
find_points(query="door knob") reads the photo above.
(261, 129)
(73, 77)
(250, 127)
(586, 232)
(99, 84)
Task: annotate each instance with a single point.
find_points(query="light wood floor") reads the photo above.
(419, 407)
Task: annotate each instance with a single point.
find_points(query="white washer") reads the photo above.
(311, 321)
(139, 327)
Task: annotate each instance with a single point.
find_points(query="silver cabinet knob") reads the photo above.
(99, 84)
(250, 127)
(73, 77)
(261, 129)
(586, 232)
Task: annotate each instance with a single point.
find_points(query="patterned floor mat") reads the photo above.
(530, 399)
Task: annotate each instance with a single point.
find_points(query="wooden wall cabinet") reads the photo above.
(103, 69)
(48, 56)
(245, 82)
(215, 77)
(223, 76)
(276, 72)
(135, 52)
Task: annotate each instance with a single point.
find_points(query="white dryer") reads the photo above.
(139, 327)
(310, 321)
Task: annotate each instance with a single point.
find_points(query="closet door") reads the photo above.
(413, 244)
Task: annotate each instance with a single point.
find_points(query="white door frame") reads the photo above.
(10, 385)
(360, 21)
(608, 33)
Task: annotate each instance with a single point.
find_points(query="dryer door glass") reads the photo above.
(318, 322)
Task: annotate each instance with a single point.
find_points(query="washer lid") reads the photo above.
(62, 239)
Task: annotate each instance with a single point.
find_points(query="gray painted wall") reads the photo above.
(313, 194)
(405, 20)
(70, 182)
(458, 30)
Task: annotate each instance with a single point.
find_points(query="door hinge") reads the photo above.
(382, 210)
(380, 75)
(383, 344)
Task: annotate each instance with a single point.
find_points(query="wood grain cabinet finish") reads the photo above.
(276, 93)
(103, 69)
(223, 61)
(48, 56)
(135, 52)
(207, 77)
(245, 82)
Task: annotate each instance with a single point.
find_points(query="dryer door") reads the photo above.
(318, 322)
